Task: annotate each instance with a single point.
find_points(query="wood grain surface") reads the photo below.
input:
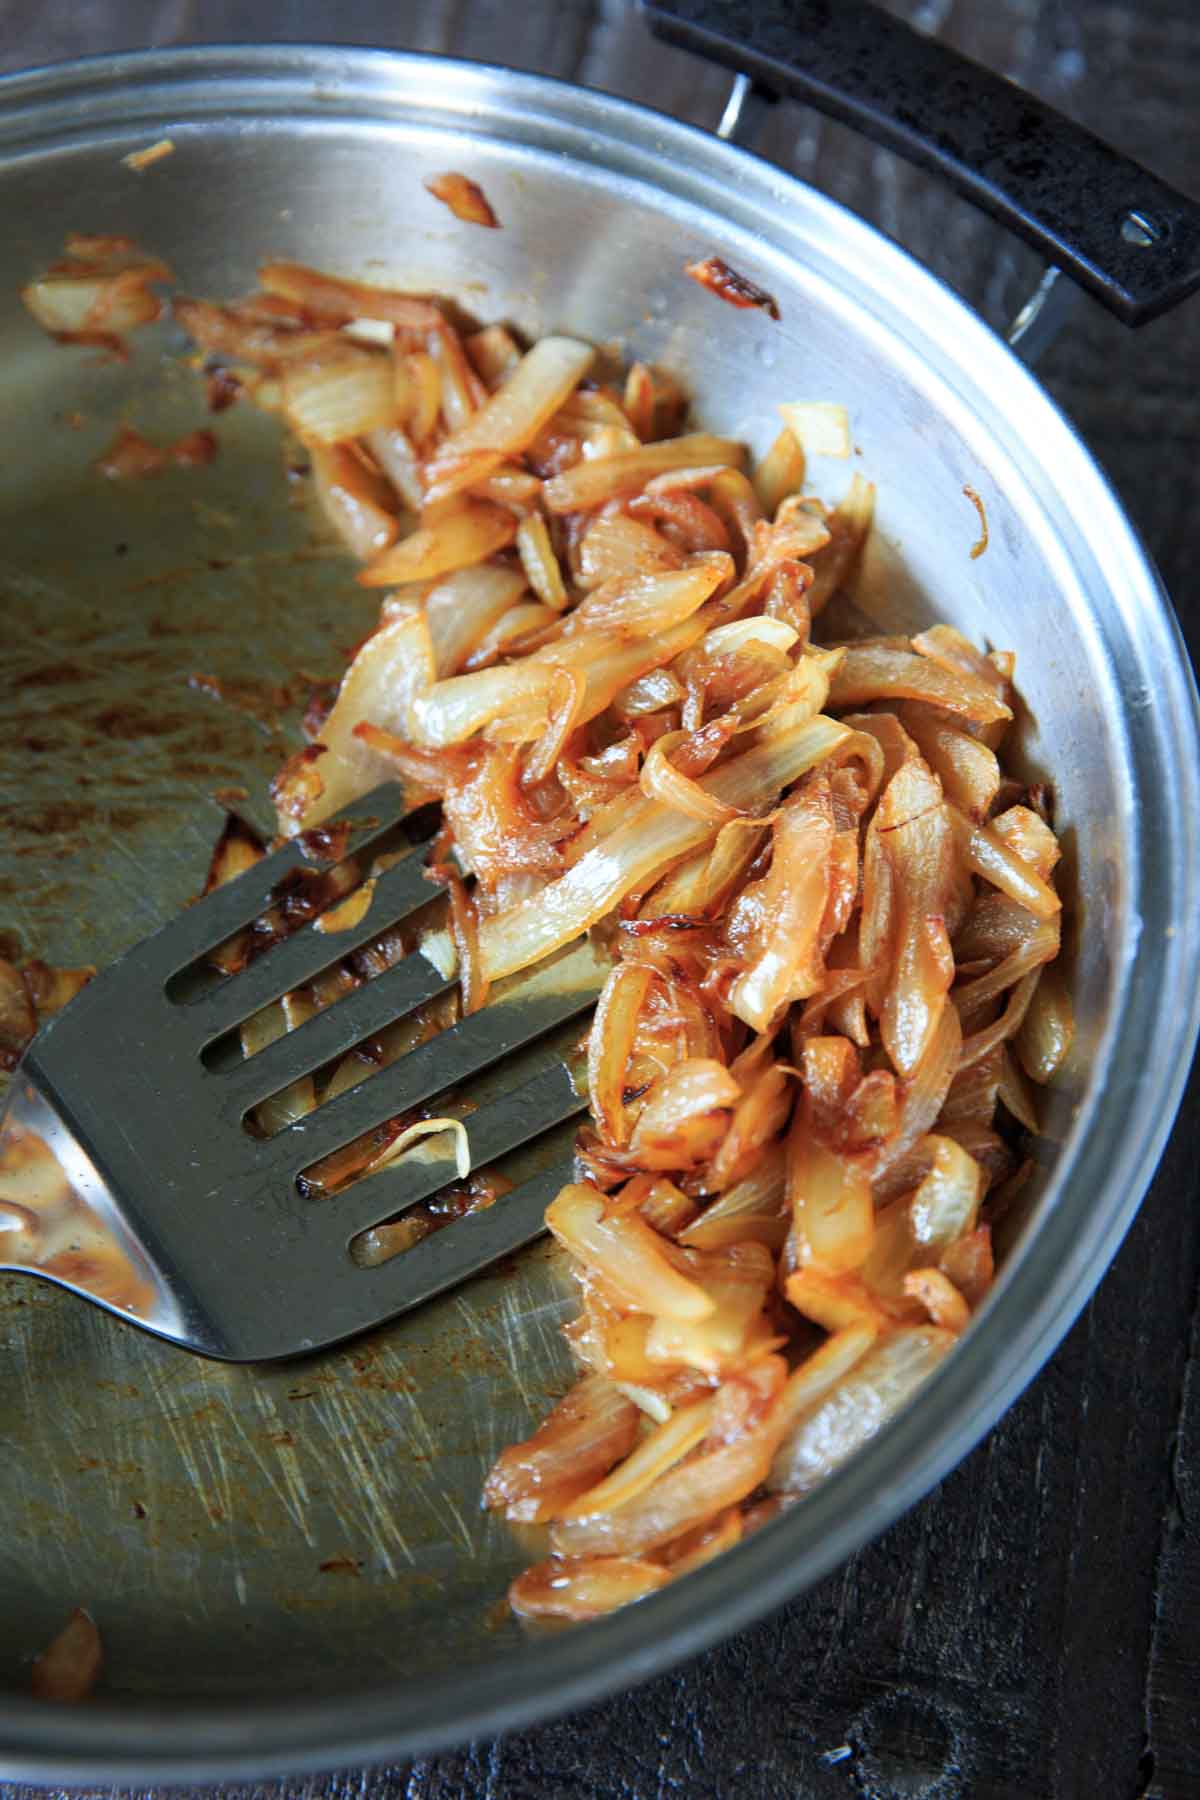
(1032, 1630)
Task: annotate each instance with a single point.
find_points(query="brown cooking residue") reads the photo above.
(341, 1565)
(715, 274)
(465, 198)
(131, 456)
(265, 702)
(981, 543)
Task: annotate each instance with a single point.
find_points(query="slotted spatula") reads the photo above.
(184, 1221)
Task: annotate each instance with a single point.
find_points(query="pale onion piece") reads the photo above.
(1028, 834)
(650, 693)
(946, 1204)
(923, 1097)
(340, 397)
(112, 304)
(512, 417)
(655, 1405)
(623, 1250)
(265, 1027)
(462, 392)
(737, 1280)
(584, 1587)
(464, 606)
(527, 618)
(660, 1451)
(917, 836)
(661, 780)
(821, 427)
(785, 963)
(447, 477)
(330, 296)
(981, 1043)
(849, 525)
(394, 665)
(418, 395)
(833, 1213)
(812, 1379)
(539, 562)
(993, 929)
(566, 702)
(370, 1249)
(454, 710)
(494, 353)
(872, 671)
(470, 534)
(752, 1211)
(615, 545)
(935, 1291)
(591, 484)
(426, 1128)
(759, 1116)
(967, 769)
(589, 1430)
(970, 1265)
(740, 633)
(857, 1407)
(1043, 1040)
(803, 693)
(610, 1044)
(703, 884)
(392, 449)
(69, 1667)
(703, 1544)
(617, 1340)
(896, 747)
(458, 708)
(645, 605)
(780, 472)
(648, 839)
(667, 1208)
(946, 645)
(972, 1096)
(686, 1496)
(988, 855)
(835, 1302)
(438, 947)
(351, 501)
(349, 912)
(974, 998)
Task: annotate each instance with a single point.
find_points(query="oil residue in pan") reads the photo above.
(233, 1530)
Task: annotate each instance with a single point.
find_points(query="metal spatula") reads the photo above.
(182, 1220)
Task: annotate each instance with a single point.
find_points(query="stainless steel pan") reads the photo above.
(289, 1566)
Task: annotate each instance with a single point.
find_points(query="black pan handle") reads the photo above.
(1120, 232)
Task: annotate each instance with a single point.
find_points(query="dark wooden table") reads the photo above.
(1032, 1630)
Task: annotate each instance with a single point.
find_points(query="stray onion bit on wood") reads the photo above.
(715, 274)
(69, 1667)
(465, 198)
